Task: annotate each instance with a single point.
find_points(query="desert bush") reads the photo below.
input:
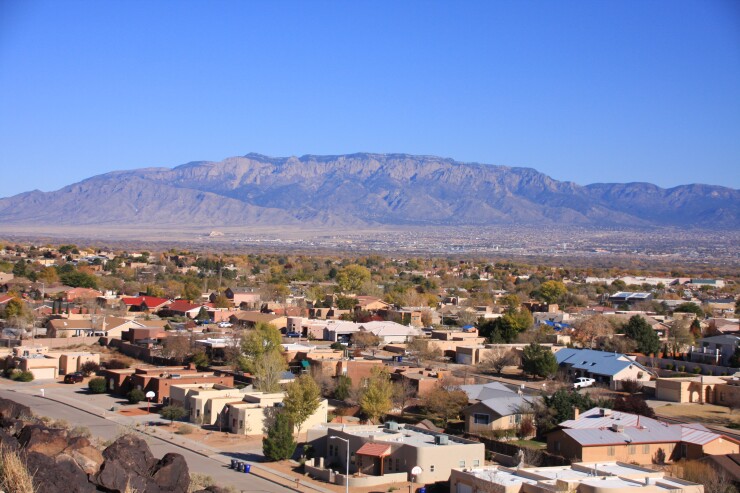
(526, 428)
(22, 376)
(631, 385)
(696, 370)
(117, 364)
(96, 385)
(80, 431)
(14, 475)
(669, 367)
(89, 368)
(184, 429)
(136, 396)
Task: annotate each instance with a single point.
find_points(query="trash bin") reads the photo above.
(240, 466)
(233, 463)
(423, 489)
(247, 468)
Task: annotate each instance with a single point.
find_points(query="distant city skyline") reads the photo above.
(583, 92)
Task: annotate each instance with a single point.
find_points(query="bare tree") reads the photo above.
(176, 347)
(590, 329)
(497, 359)
(403, 392)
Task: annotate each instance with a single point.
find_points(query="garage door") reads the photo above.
(44, 373)
(464, 359)
(464, 488)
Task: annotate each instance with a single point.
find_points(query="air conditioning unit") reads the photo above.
(441, 440)
(391, 426)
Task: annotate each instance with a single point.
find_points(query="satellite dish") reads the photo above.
(150, 395)
(416, 470)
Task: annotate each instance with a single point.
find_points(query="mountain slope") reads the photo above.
(364, 190)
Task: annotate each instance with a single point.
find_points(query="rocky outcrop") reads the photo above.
(60, 462)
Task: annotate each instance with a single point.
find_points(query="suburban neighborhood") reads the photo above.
(431, 374)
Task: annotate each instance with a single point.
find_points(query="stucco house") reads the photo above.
(605, 435)
(603, 366)
(494, 406)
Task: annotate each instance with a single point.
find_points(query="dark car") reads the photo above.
(292, 334)
(73, 377)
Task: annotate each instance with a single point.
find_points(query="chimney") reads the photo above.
(576, 412)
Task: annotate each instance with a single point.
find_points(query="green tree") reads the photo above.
(376, 398)
(552, 291)
(346, 302)
(561, 405)
(539, 361)
(264, 338)
(643, 334)
(203, 314)
(191, 291)
(268, 370)
(344, 388)
(689, 307)
(172, 412)
(20, 269)
(17, 309)
(199, 358)
(279, 443)
(352, 277)
(505, 329)
(78, 279)
(302, 399)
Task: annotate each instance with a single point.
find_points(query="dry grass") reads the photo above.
(706, 413)
(14, 475)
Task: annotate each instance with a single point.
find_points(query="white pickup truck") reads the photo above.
(583, 382)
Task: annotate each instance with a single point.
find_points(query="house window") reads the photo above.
(398, 464)
(610, 451)
(518, 418)
(632, 449)
(481, 419)
(331, 450)
(557, 445)
(431, 468)
(461, 463)
(646, 449)
(476, 463)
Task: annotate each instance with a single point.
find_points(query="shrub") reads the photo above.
(696, 370)
(136, 396)
(682, 368)
(669, 367)
(184, 429)
(172, 412)
(89, 368)
(22, 376)
(96, 385)
(631, 385)
(116, 364)
(14, 475)
(526, 428)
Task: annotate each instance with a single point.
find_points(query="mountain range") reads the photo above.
(364, 190)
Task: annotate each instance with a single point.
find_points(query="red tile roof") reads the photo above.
(182, 306)
(151, 301)
(375, 449)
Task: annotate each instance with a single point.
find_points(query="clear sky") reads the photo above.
(586, 91)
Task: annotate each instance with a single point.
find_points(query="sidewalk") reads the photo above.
(259, 469)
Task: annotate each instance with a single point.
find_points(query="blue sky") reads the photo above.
(583, 91)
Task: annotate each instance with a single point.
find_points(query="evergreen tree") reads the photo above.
(539, 361)
(644, 336)
(279, 443)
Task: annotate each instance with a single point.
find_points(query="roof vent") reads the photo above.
(618, 428)
(391, 426)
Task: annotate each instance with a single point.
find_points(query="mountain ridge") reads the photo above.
(365, 189)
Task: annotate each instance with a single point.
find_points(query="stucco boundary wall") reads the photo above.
(364, 481)
(510, 450)
(53, 342)
(661, 363)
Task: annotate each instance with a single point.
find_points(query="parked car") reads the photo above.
(75, 377)
(225, 325)
(583, 382)
(292, 334)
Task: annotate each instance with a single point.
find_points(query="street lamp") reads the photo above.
(346, 477)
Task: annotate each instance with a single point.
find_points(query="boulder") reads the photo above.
(171, 474)
(39, 438)
(50, 476)
(11, 409)
(89, 459)
(8, 441)
(213, 489)
(12, 426)
(127, 461)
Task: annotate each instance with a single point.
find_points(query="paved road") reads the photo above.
(107, 429)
